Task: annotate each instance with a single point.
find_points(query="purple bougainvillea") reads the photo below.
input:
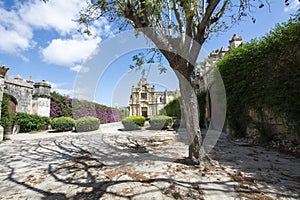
(65, 106)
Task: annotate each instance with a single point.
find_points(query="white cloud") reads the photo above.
(65, 92)
(15, 35)
(69, 51)
(102, 28)
(55, 14)
(19, 23)
(294, 6)
(58, 88)
(79, 68)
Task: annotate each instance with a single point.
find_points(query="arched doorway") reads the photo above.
(145, 112)
(12, 107)
(9, 107)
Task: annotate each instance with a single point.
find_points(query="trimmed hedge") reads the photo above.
(161, 122)
(133, 122)
(63, 124)
(139, 120)
(87, 124)
(29, 123)
(129, 124)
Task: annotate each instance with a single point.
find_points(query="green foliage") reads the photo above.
(29, 123)
(161, 122)
(133, 122)
(172, 109)
(129, 124)
(6, 118)
(263, 77)
(63, 124)
(6, 137)
(60, 105)
(68, 107)
(87, 124)
(139, 120)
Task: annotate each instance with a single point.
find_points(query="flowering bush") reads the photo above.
(65, 106)
(60, 106)
(87, 124)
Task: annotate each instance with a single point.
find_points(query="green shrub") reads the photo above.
(6, 118)
(63, 124)
(133, 122)
(173, 109)
(87, 124)
(129, 124)
(139, 120)
(262, 82)
(29, 123)
(161, 122)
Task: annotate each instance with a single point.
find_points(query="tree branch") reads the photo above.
(169, 17)
(219, 13)
(178, 17)
(205, 22)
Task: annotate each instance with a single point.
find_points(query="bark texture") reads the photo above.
(191, 116)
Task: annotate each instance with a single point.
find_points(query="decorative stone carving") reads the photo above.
(3, 71)
(144, 100)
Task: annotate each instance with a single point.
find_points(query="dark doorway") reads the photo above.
(12, 105)
(145, 112)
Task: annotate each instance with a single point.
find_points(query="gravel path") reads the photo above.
(113, 164)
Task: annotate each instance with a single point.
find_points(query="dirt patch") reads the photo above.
(246, 187)
(178, 192)
(134, 175)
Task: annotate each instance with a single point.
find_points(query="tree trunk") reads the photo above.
(191, 117)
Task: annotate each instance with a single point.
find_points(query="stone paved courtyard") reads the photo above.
(113, 164)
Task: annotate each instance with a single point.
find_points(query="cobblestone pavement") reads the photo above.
(113, 164)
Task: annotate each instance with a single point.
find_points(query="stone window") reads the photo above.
(144, 95)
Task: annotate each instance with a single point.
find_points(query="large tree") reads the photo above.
(178, 28)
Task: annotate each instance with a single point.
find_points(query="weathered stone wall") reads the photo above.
(41, 99)
(41, 106)
(22, 92)
(30, 97)
(1, 96)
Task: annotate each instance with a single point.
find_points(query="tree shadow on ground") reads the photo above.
(96, 173)
(259, 171)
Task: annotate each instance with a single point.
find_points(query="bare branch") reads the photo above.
(203, 27)
(169, 16)
(178, 17)
(219, 13)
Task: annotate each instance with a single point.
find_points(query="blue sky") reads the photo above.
(42, 40)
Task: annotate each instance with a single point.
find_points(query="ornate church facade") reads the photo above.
(145, 101)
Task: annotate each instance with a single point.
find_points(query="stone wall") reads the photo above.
(21, 91)
(41, 99)
(30, 97)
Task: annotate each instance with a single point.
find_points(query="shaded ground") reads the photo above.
(112, 164)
